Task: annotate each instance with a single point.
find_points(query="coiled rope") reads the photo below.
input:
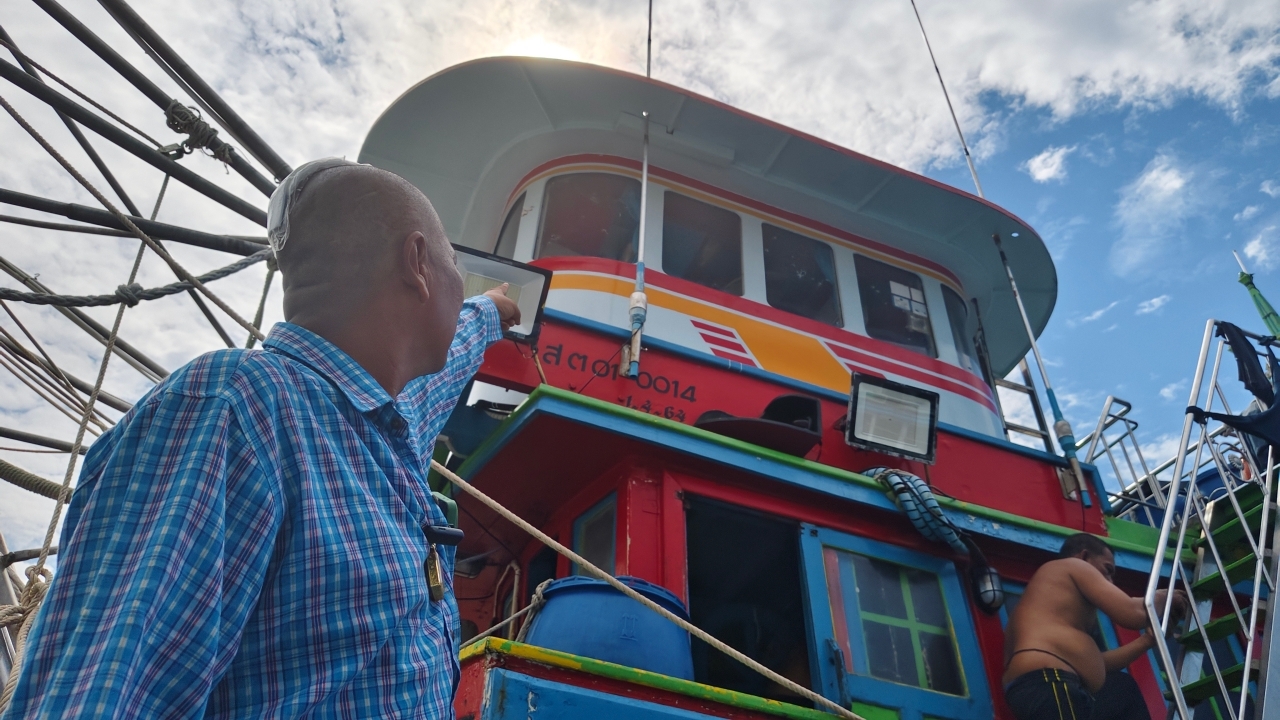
(914, 497)
(617, 585)
(133, 293)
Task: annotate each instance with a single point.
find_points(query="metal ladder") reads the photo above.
(1222, 542)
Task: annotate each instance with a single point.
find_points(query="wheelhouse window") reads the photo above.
(594, 534)
(702, 243)
(893, 627)
(893, 305)
(902, 617)
(800, 276)
(591, 215)
(958, 315)
(506, 245)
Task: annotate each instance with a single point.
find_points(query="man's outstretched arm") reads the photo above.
(163, 555)
(480, 324)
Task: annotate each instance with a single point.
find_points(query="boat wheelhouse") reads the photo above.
(778, 267)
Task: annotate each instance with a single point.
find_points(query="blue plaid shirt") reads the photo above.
(246, 543)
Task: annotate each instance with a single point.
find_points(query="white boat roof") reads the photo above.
(467, 135)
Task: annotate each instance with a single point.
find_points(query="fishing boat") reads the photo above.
(759, 380)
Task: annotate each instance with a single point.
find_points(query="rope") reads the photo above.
(27, 58)
(29, 481)
(262, 302)
(915, 499)
(133, 293)
(535, 604)
(128, 223)
(200, 134)
(612, 581)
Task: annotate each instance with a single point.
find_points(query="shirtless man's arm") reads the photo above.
(1123, 656)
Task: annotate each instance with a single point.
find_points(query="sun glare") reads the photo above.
(537, 46)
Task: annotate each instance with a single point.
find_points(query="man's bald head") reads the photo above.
(346, 228)
(366, 262)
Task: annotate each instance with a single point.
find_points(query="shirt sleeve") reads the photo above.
(165, 551)
(433, 397)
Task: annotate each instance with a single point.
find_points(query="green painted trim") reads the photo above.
(555, 658)
(1128, 543)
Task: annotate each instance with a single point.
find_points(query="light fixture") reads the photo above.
(483, 271)
(892, 418)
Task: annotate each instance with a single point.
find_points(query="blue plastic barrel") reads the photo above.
(584, 616)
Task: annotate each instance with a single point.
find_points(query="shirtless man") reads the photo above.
(1053, 667)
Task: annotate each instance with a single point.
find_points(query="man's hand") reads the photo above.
(1181, 603)
(508, 311)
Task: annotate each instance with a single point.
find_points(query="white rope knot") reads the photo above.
(130, 294)
(32, 595)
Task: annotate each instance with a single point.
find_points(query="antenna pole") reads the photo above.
(648, 45)
(639, 308)
(1061, 428)
(967, 157)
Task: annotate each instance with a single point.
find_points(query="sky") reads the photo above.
(1139, 138)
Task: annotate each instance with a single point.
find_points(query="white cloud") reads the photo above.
(1097, 314)
(1161, 449)
(1262, 249)
(1246, 213)
(1051, 164)
(1271, 188)
(1151, 209)
(1149, 306)
(1170, 391)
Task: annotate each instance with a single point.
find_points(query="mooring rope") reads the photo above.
(133, 293)
(683, 624)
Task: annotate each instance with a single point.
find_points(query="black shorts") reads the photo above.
(1059, 695)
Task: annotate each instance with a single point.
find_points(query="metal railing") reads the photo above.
(1189, 523)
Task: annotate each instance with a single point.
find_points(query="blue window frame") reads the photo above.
(892, 629)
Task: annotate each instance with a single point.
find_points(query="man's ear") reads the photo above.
(1083, 555)
(415, 268)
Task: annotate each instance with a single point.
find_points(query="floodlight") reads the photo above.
(892, 418)
(483, 271)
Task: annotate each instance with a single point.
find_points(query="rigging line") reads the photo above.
(101, 108)
(967, 157)
(208, 314)
(156, 248)
(262, 302)
(76, 133)
(129, 294)
(59, 406)
(38, 375)
(64, 227)
(613, 582)
(52, 367)
(133, 357)
(15, 363)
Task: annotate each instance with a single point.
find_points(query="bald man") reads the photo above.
(249, 541)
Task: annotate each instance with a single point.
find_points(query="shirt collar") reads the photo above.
(327, 359)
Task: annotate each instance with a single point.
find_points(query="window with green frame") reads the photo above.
(892, 628)
(904, 623)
